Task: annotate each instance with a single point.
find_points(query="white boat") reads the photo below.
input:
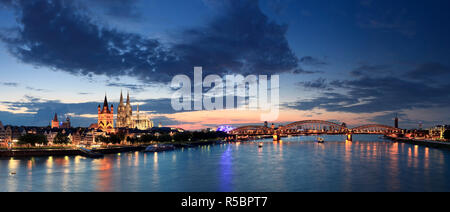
(260, 145)
(320, 140)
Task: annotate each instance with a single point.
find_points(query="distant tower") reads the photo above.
(55, 122)
(106, 117)
(128, 112)
(121, 115)
(66, 124)
(396, 121)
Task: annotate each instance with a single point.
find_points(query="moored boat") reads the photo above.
(91, 154)
(159, 148)
(320, 140)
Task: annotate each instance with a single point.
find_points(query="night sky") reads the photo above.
(353, 61)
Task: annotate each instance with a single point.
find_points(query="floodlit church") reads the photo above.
(106, 117)
(124, 113)
(142, 121)
(125, 118)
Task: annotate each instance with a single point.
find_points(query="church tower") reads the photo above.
(124, 113)
(121, 116)
(396, 121)
(129, 112)
(55, 122)
(106, 117)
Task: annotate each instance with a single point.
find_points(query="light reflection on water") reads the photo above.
(369, 163)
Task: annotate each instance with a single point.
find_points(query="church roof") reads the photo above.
(105, 104)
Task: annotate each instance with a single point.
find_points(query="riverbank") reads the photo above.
(48, 151)
(428, 143)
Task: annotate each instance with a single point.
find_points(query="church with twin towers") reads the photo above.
(124, 118)
(124, 113)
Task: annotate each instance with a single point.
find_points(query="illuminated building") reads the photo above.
(225, 128)
(141, 122)
(124, 113)
(66, 124)
(55, 122)
(106, 117)
(2, 135)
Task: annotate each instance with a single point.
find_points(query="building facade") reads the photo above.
(55, 122)
(124, 113)
(141, 122)
(66, 124)
(106, 117)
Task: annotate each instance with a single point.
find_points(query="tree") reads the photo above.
(114, 139)
(33, 139)
(146, 138)
(182, 136)
(101, 139)
(132, 140)
(447, 134)
(164, 138)
(61, 139)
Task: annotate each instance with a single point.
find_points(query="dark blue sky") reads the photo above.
(356, 61)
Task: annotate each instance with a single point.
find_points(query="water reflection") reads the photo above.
(368, 163)
(226, 170)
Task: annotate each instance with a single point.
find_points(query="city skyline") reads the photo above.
(354, 61)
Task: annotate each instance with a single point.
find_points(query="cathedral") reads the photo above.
(125, 118)
(106, 117)
(141, 122)
(124, 113)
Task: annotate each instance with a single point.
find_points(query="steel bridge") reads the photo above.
(307, 127)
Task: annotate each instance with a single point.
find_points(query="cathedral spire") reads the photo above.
(105, 103)
(55, 118)
(121, 98)
(128, 97)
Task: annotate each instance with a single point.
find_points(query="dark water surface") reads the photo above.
(369, 163)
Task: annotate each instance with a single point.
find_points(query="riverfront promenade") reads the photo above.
(74, 151)
(428, 143)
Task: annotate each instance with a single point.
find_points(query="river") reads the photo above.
(369, 163)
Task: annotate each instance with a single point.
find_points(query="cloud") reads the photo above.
(312, 61)
(119, 8)
(430, 72)
(40, 111)
(319, 84)
(300, 70)
(9, 84)
(366, 94)
(134, 87)
(37, 89)
(370, 70)
(386, 18)
(57, 35)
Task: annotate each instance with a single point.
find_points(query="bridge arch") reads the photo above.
(375, 129)
(313, 126)
(252, 130)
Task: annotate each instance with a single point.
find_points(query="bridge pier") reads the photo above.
(276, 137)
(349, 137)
